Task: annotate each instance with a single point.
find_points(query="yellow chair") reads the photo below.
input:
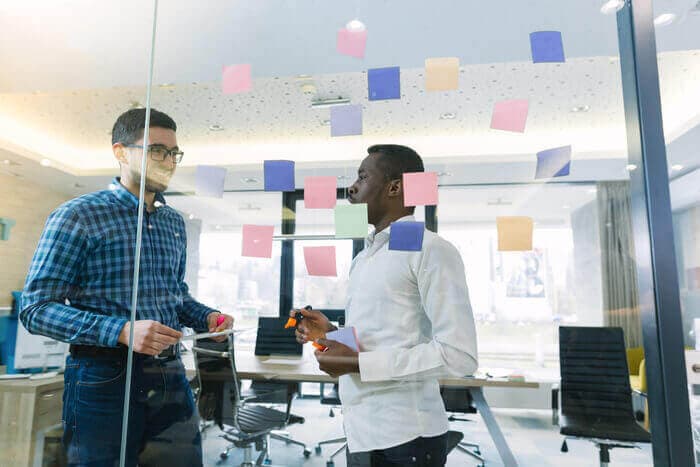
(635, 356)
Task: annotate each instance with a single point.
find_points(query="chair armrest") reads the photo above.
(637, 391)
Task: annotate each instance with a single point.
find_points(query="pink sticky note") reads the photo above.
(351, 42)
(510, 115)
(320, 260)
(257, 241)
(420, 189)
(320, 192)
(236, 78)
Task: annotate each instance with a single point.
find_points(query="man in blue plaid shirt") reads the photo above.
(79, 288)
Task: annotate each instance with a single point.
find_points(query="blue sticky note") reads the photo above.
(406, 236)
(346, 120)
(279, 176)
(555, 162)
(384, 83)
(547, 47)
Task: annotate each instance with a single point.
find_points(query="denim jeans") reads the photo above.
(420, 452)
(163, 423)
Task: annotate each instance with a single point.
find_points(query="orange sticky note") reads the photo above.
(320, 260)
(236, 78)
(351, 42)
(257, 240)
(420, 189)
(320, 192)
(510, 115)
(441, 74)
(514, 233)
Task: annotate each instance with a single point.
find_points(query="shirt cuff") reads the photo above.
(376, 365)
(110, 329)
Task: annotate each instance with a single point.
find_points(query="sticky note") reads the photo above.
(420, 189)
(514, 233)
(384, 83)
(209, 181)
(547, 47)
(692, 365)
(346, 336)
(320, 260)
(351, 221)
(279, 175)
(406, 236)
(257, 240)
(351, 42)
(441, 74)
(555, 162)
(236, 78)
(346, 120)
(510, 115)
(320, 192)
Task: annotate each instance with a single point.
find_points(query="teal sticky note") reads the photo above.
(351, 221)
(6, 224)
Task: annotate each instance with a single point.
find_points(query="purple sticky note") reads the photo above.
(406, 236)
(346, 336)
(555, 162)
(351, 42)
(420, 189)
(236, 78)
(257, 241)
(279, 176)
(320, 192)
(346, 120)
(547, 47)
(320, 260)
(510, 115)
(384, 83)
(209, 181)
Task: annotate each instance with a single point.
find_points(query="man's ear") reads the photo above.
(395, 188)
(120, 153)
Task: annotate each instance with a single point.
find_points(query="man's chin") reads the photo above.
(156, 187)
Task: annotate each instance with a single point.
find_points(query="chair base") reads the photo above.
(262, 444)
(329, 461)
(604, 446)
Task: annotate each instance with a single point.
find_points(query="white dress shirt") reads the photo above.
(414, 325)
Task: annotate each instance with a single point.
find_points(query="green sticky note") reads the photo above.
(351, 221)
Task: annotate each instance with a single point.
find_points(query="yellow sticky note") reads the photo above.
(441, 74)
(514, 233)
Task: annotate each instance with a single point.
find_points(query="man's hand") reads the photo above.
(313, 326)
(218, 322)
(338, 359)
(150, 337)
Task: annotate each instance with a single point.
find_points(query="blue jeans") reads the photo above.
(420, 452)
(163, 423)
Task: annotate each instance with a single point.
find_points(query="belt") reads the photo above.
(118, 353)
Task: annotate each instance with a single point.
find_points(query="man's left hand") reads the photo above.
(338, 359)
(227, 323)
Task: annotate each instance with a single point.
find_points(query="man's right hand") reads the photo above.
(150, 337)
(314, 326)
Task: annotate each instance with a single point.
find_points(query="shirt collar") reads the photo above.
(126, 197)
(384, 234)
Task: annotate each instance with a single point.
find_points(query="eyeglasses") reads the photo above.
(158, 152)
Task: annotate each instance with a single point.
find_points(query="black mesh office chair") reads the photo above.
(219, 398)
(596, 397)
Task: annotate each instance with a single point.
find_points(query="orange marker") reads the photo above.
(293, 322)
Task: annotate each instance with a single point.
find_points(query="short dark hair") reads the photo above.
(129, 126)
(396, 160)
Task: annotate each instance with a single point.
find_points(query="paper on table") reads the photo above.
(209, 181)
(236, 78)
(442, 73)
(514, 233)
(320, 192)
(346, 336)
(420, 189)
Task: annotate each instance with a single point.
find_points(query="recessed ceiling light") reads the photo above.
(630, 167)
(612, 6)
(325, 122)
(45, 162)
(190, 217)
(166, 85)
(580, 108)
(250, 180)
(566, 206)
(355, 25)
(447, 116)
(676, 167)
(592, 191)
(216, 127)
(664, 19)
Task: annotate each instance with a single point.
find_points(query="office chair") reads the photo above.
(219, 399)
(459, 400)
(596, 397)
(333, 399)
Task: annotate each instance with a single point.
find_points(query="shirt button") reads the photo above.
(150, 226)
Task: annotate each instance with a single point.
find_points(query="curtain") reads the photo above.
(618, 265)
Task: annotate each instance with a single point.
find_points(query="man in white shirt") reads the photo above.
(414, 324)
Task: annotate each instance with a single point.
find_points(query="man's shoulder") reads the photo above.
(433, 241)
(89, 200)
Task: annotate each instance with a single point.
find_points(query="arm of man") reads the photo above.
(53, 273)
(452, 351)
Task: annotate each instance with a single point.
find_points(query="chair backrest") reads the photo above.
(594, 375)
(274, 339)
(635, 355)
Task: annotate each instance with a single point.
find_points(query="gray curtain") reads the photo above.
(618, 265)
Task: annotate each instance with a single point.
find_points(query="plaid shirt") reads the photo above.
(78, 289)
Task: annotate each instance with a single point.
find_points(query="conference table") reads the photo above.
(305, 369)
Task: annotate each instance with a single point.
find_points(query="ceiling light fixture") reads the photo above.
(355, 25)
(444, 174)
(216, 128)
(612, 6)
(320, 103)
(447, 116)
(166, 85)
(249, 180)
(45, 162)
(580, 108)
(676, 167)
(190, 217)
(664, 19)
(325, 122)
(630, 167)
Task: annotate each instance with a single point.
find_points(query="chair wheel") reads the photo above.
(564, 447)
(267, 461)
(307, 453)
(318, 450)
(477, 452)
(223, 456)
(330, 464)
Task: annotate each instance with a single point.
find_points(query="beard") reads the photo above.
(156, 180)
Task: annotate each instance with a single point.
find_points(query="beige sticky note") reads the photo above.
(514, 233)
(692, 366)
(441, 74)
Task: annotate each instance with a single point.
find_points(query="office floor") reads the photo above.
(533, 439)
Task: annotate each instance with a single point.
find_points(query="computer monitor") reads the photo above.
(274, 339)
(34, 351)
